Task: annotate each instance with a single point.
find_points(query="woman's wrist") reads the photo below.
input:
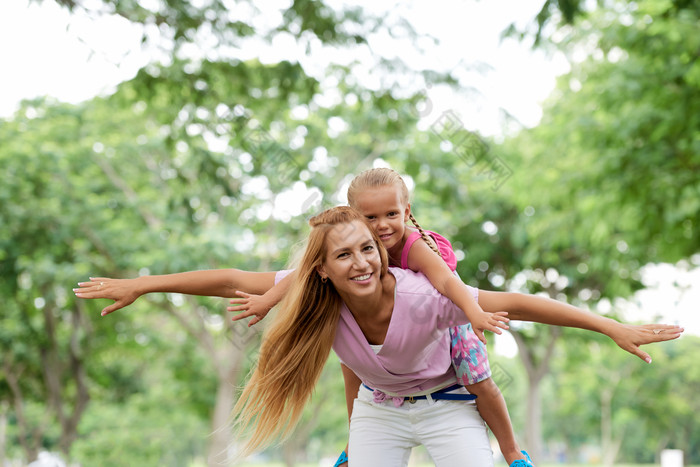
(608, 326)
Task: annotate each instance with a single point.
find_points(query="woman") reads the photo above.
(344, 296)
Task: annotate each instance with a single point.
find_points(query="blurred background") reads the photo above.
(555, 143)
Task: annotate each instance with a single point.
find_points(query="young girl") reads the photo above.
(382, 197)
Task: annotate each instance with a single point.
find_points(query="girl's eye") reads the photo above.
(393, 213)
(370, 218)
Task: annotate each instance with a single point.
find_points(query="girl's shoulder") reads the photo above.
(443, 246)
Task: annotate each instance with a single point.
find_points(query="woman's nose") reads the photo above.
(360, 262)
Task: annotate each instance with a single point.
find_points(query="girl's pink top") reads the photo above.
(415, 355)
(444, 247)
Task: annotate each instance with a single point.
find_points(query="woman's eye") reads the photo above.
(369, 248)
(342, 255)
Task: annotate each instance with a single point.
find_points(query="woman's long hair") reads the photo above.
(295, 347)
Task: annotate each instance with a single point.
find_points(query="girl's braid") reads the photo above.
(423, 235)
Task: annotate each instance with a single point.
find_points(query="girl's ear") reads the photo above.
(406, 213)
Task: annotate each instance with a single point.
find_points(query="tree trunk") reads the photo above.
(302, 434)
(610, 442)
(220, 439)
(533, 422)
(28, 439)
(67, 414)
(536, 358)
(3, 431)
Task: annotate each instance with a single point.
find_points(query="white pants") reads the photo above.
(382, 435)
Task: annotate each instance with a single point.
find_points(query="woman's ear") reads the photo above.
(321, 272)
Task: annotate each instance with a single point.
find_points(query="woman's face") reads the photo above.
(386, 212)
(352, 263)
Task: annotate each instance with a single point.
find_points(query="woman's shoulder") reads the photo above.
(417, 298)
(411, 282)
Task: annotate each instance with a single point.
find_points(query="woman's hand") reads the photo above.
(483, 321)
(251, 305)
(122, 291)
(630, 337)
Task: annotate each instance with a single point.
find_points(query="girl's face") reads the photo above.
(352, 263)
(386, 211)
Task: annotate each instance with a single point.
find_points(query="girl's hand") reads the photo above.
(493, 322)
(630, 337)
(122, 291)
(251, 305)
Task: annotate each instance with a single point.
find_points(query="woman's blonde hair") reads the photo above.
(375, 178)
(296, 345)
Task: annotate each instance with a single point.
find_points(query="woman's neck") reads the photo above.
(371, 305)
(373, 313)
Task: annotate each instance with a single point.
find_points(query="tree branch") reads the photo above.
(152, 221)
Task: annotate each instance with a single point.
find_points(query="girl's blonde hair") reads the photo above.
(296, 346)
(375, 178)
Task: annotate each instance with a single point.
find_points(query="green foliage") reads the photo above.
(150, 429)
(595, 378)
(218, 162)
(615, 156)
(229, 22)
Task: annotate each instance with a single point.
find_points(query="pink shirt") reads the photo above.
(444, 247)
(415, 355)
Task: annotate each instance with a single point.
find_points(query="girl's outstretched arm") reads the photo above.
(213, 282)
(424, 260)
(526, 307)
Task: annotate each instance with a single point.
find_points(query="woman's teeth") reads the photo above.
(361, 278)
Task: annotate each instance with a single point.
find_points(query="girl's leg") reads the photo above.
(380, 435)
(493, 409)
(471, 363)
(454, 434)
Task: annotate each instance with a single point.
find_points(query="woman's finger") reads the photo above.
(662, 332)
(88, 293)
(112, 308)
(641, 354)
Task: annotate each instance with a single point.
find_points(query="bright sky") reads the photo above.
(73, 58)
(45, 51)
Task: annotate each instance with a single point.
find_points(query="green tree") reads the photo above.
(624, 129)
(614, 158)
(631, 411)
(149, 185)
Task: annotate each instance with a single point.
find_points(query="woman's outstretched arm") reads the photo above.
(213, 282)
(524, 307)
